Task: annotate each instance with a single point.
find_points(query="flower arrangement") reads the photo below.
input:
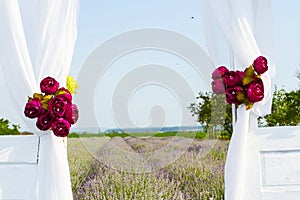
(53, 108)
(241, 86)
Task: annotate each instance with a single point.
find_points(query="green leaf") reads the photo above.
(29, 99)
(241, 97)
(38, 96)
(59, 92)
(249, 72)
(247, 80)
(46, 99)
(45, 106)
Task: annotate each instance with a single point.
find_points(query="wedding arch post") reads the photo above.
(246, 27)
(37, 40)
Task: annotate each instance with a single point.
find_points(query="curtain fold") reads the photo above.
(245, 26)
(37, 40)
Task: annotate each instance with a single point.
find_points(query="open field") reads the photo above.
(147, 168)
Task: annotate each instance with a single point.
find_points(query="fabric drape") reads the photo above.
(37, 40)
(245, 27)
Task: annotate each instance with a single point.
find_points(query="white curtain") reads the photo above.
(37, 39)
(245, 26)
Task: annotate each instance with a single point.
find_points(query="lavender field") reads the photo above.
(125, 168)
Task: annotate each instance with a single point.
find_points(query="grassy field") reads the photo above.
(131, 168)
(185, 134)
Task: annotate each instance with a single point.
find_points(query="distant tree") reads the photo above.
(285, 109)
(5, 128)
(212, 113)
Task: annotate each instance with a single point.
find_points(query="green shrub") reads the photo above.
(73, 135)
(5, 128)
(200, 135)
(166, 134)
(116, 134)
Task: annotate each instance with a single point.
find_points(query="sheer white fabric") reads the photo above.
(37, 40)
(247, 28)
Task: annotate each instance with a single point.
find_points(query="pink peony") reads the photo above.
(218, 86)
(57, 107)
(61, 127)
(231, 94)
(260, 65)
(231, 78)
(71, 114)
(49, 85)
(33, 108)
(255, 91)
(219, 72)
(44, 121)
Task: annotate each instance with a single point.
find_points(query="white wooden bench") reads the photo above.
(272, 164)
(34, 167)
(19, 158)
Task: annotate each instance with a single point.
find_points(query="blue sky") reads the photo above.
(101, 20)
(106, 19)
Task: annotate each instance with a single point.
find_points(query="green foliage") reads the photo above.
(225, 135)
(5, 128)
(166, 134)
(73, 135)
(85, 135)
(116, 134)
(185, 134)
(200, 135)
(213, 114)
(285, 109)
(191, 134)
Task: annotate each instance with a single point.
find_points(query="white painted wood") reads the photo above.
(20, 149)
(18, 167)
(273, 164)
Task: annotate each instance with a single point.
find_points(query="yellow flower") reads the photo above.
(72, 85)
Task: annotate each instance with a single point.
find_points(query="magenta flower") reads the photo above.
(49, 85)
(57, 107)
(260, 65)
(255, 92)
(231, 78)
(65, 93)
(231, 94)
(241, 74)
(218, 86)
(33, 108)
(44, 121)
(61, 127)
(219, 72)
(71, 114)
